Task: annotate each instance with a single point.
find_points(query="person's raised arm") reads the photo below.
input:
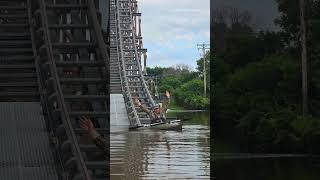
(86, 124)
(142, 107)
(166, 102)
(136, 102)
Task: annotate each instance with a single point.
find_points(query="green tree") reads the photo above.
(257, 85)
(156, 71)
(169, 83)
(191, 96)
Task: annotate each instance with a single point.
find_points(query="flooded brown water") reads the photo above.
(152, 154)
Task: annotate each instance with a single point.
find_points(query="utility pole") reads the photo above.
(304, 62)
(204, 47)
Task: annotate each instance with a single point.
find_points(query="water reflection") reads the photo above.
(266, 169)
(151, 154)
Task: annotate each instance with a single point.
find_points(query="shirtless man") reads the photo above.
(157, 114)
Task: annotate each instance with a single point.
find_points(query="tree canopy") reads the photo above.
(256, 80)
(185, 85)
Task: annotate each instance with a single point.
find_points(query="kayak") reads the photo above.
(172, 125)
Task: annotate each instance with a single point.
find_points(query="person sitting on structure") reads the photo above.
(100, 141)
(157, 114)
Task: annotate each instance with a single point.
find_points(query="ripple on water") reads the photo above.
(161, 155)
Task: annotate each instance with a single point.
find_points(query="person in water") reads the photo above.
(157, 114)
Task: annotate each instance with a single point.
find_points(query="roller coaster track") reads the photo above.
(53, 51)
(17, 70)
(126, 49)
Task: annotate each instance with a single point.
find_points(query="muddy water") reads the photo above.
(151, 154)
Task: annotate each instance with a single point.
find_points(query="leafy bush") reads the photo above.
(191, 96)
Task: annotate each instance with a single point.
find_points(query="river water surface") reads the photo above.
(152, 154)
(261, 168)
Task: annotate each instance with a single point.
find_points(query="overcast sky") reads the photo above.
(171, 30)
(264, 11)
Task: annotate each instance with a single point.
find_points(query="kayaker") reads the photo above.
(157, 114)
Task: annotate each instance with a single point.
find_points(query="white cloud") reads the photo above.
(188, 10)
(173, 28)
(166, 4)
